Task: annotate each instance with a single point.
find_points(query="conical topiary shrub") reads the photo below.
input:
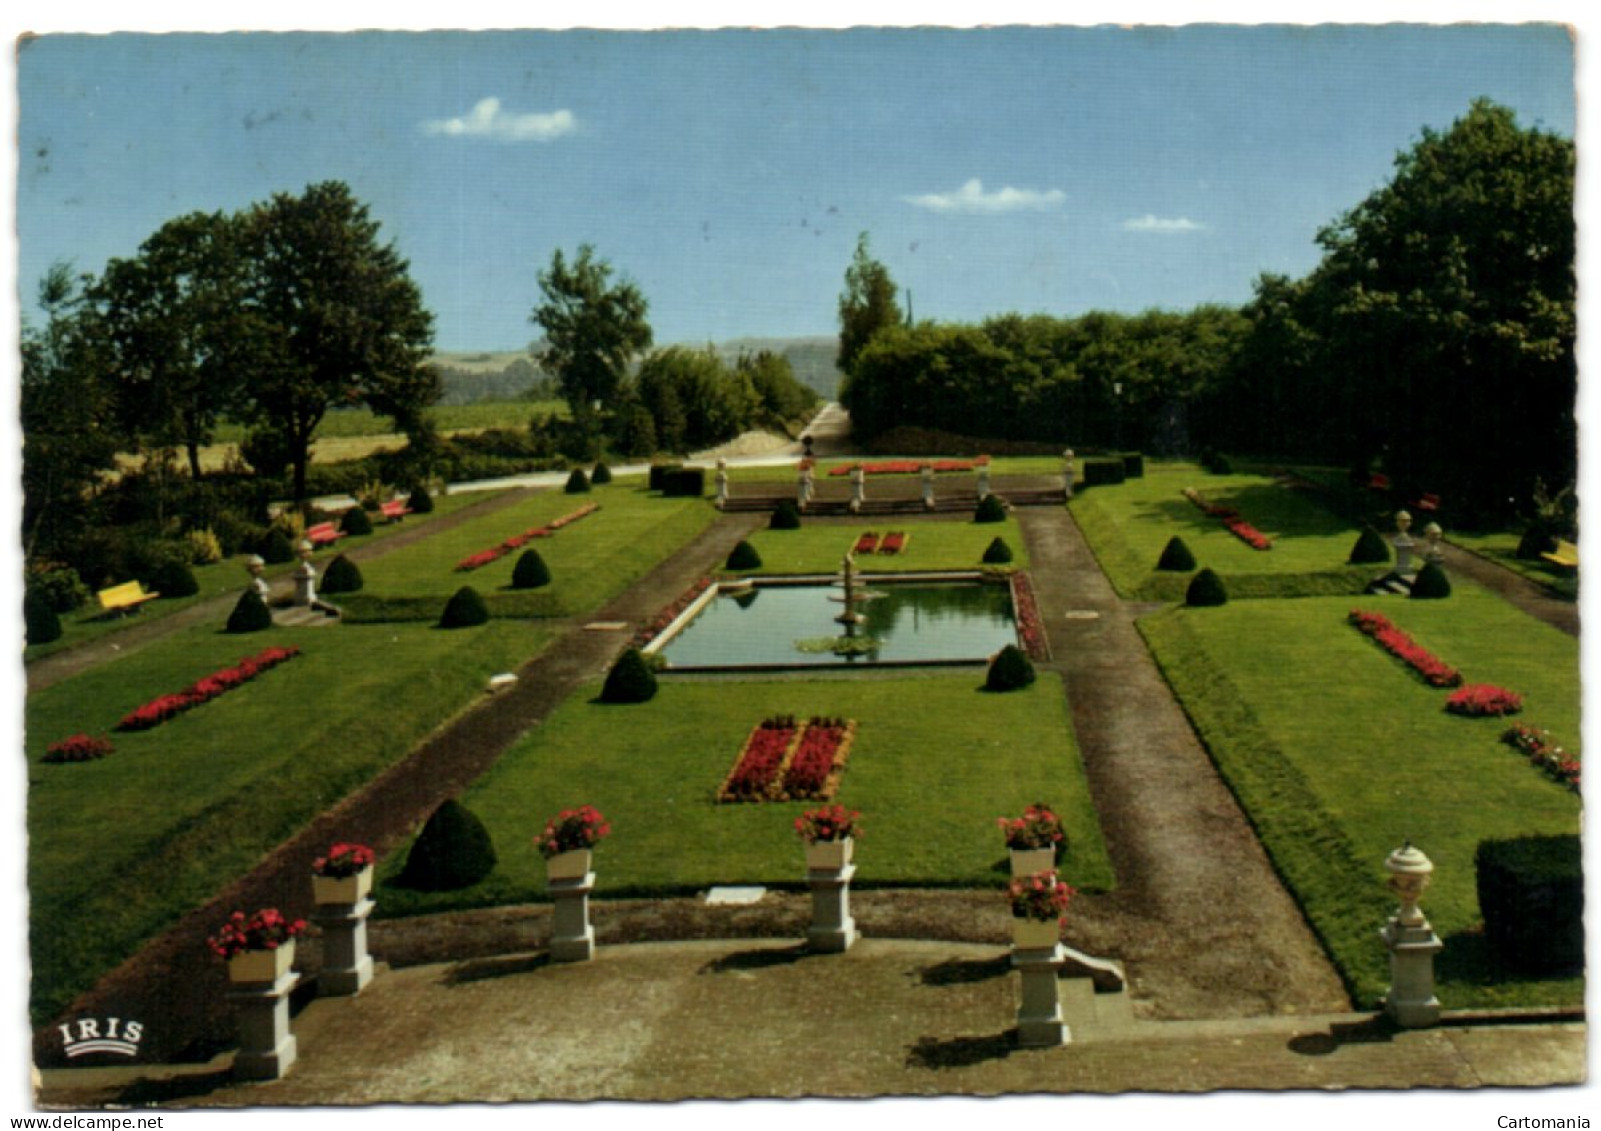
(630, 680)
(1431, 583)
(40, 620)
(1536, 540)
(173, 578)
(1206, 590)
(997, 552)
(355, 522)
(1370, 548)
(990, 509)
(786, 516)
(743, 556)
(250, 614)
(465, 609)
(577, 482)
(341, 576)
(275, 548)
(601, 475)
(1176, 556)
(420, 501)
(454, 850)
(1009, 670)
(530, 571)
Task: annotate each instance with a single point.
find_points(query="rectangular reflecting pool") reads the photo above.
(793, 625)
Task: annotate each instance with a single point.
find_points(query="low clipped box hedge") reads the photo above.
(743, 556)
(530, 572)
(40, 620)
(454, 850)
(990, 509)
(1531, 894)
(1431, 583)
(1010, 670)
(1370, 548)
(684, 483)
(465, 609)
(786, 516)
(659, 473)
(341, 576)
(1206, 591)
(997, 552)
(630, 680)
(1133, 465)
(1176, 557)
(1104, 472)
(250, 614)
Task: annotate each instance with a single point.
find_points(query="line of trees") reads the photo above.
(1435, 340)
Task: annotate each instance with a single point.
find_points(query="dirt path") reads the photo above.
(1200, 917)
(1530, 596)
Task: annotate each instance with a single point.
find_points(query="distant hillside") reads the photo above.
(510, 374)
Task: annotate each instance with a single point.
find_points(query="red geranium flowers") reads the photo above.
(203, 690)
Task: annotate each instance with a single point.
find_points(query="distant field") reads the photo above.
(360, 422)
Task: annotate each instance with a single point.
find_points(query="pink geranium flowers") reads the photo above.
(1481, 700)
(78, 748)
(203, 690)
(267, 929)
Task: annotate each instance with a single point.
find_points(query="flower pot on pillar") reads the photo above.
(1035, 934)
(257, 967)
(1027, 861)
(342, 889)
(829, 855)
(571, 865)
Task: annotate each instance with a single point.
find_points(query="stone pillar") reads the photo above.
(832, 930)
(803, 494)
(722, 483)
(983, 481)
(928, 486)
(305, 578)
(1039, 1013)
(1403, 543)
(572, 938)
(266, 1046)
(1411, 1002)
(1067, 471)
(346, 965)
(858, 488)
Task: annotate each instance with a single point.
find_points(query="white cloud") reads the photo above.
(1149, 223)
(971, 197)
(487, 119)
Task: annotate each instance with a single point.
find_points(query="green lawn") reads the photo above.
(1002, 465)
(226, 576)
(119, 848)
(1502, 547)
(590, 561)
(818, 547)
(1339, 754)
(447, 418)
(936, 761)
(1128, 525)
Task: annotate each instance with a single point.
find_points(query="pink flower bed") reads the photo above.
(518, 541)
(909, 466)
(819, 760)
(78, 748)
(1478, 700)
(666, 617)
(1537, 746)
(1230, 518)
(1434, 670)
(164, 707)
(1030, 629)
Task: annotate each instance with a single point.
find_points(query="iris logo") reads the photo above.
(90, 1034)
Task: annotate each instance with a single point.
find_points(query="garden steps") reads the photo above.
(297, 617)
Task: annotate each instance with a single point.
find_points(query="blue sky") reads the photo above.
(728, 173)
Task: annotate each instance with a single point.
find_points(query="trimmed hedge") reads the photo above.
(341, 576)
(743, 556)
(1531, 893)
(454, 850)
(786, 516)
(630, 680)
(601, 475)
(1370, 548)
(275, 547)
(1010, 670)
(1176, 557)
(1104, 472)
(1206, 591)
(39, 619)
(577, 482)
(250, 614)
(684, 483)
(465, 609)
(659, 473)
(997, 552)
(530, 572)
(1536, 540)
(420, 501)
(990, 509)
(1431, 583)
(356, 522)
(174, 579)
(1133, 465)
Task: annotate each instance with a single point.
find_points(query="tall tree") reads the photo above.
(866, 307)
(593, 329)
(172, 319)
(335, 319)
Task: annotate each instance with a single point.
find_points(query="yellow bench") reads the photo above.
(124, 598)
(1565, 555)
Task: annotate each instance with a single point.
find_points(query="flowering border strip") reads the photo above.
(818, 763)
(518, 541)
(1030, 628)
(910, 466)
(79, 747)
(866, 543)
(765, 755)
(164, 707)
(1536, 745)
(1483, 700)
(671, 613)
(1436, 672)
(894, 542)
(1230, 518)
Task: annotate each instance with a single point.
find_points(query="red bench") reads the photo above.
(1379, 481)
(323, 534)
(1428, 502)
(394, 510)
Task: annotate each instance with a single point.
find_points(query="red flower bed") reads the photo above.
(1434, 670)
(1030, 628)
(1538, 747)
(819, 760)
(1478, 700)
(78, 748)
(1230, 518)
(894, 542)
(164, 707)
(666, 617)
(866, 544)
(909, 466)
(518, 541)
(760, 760)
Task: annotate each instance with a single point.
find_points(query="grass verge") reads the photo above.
(818, 547)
